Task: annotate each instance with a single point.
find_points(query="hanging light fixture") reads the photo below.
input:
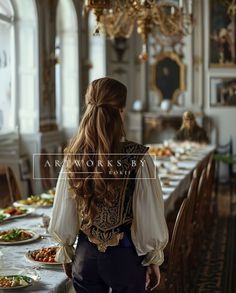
(152, 17)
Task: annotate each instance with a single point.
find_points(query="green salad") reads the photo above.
(2, 217)
(14, 281)
(14, 235)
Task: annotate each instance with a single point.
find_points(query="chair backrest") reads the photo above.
(177, 245)
(209, 200)
(202, 165)
(201, 190)
(200, 204)
(10, 190)
(192, 196)
(210, 174)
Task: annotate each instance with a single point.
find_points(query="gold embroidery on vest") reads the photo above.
(105, 229)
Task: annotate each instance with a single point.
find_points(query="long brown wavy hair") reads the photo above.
(100, 133)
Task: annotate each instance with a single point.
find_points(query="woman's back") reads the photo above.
(109, 196)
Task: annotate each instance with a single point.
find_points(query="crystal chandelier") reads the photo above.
(168, 18)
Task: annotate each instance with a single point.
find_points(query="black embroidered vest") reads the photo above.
(110, 221)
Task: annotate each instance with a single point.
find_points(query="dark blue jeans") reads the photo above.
(118, 268)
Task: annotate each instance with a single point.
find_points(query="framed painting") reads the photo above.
(168, 76)
(222, 92)
(222, 49)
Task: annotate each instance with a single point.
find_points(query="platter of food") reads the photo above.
(161, 151)
(43, 256)
(17, 236)
(35, 201)
(16, 212)
(15, 282)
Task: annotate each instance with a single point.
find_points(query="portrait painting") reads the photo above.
(222, 50)
(223, 91)
(168, 76)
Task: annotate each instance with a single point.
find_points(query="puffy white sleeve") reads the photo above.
(149, 230)
(65, 223)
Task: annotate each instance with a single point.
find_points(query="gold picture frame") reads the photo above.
(168, 76)
(222, 52)
(222, 91)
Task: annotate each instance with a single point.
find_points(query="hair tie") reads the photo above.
(96, 104)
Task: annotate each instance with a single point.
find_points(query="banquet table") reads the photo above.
(179, 174)
(12, 258)
(53, 279)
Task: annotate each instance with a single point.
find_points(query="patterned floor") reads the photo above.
(217, 269)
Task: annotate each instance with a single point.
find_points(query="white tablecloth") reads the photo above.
(51, 279)
(180, 186)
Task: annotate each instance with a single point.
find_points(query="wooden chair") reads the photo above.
(190, 230)
(173, 277)
(198, 221)
(10, 190)
(210, 204)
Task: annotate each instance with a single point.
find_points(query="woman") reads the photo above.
(106, 195)
(190, 130)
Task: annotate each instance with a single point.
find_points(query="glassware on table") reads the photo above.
(45, 223)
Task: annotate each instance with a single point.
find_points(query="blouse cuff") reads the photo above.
(65, 254)
(154, 257)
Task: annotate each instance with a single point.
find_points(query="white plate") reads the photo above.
(179, 172)
(35, 236)
(167, 190)
(170, 177)
(42, 263)
(29, 281)
(47, 196)
(28, 212)
(17, 204)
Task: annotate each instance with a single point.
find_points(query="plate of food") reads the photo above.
(15, 282)
(168, 183)
(52, 191)
(161, 152)
(17, 236)
(44, 256)
(35, 201)
(16, 212)
(46, 196)
(4, 217)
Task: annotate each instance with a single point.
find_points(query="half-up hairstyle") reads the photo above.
(100, 133)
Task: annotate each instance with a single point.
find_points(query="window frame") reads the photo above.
(11, 20)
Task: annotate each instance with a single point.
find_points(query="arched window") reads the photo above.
(19, 51)
(97, 51)
(6, 66)
(67, 73)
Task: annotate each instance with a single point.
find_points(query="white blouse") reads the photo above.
(148, 231)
